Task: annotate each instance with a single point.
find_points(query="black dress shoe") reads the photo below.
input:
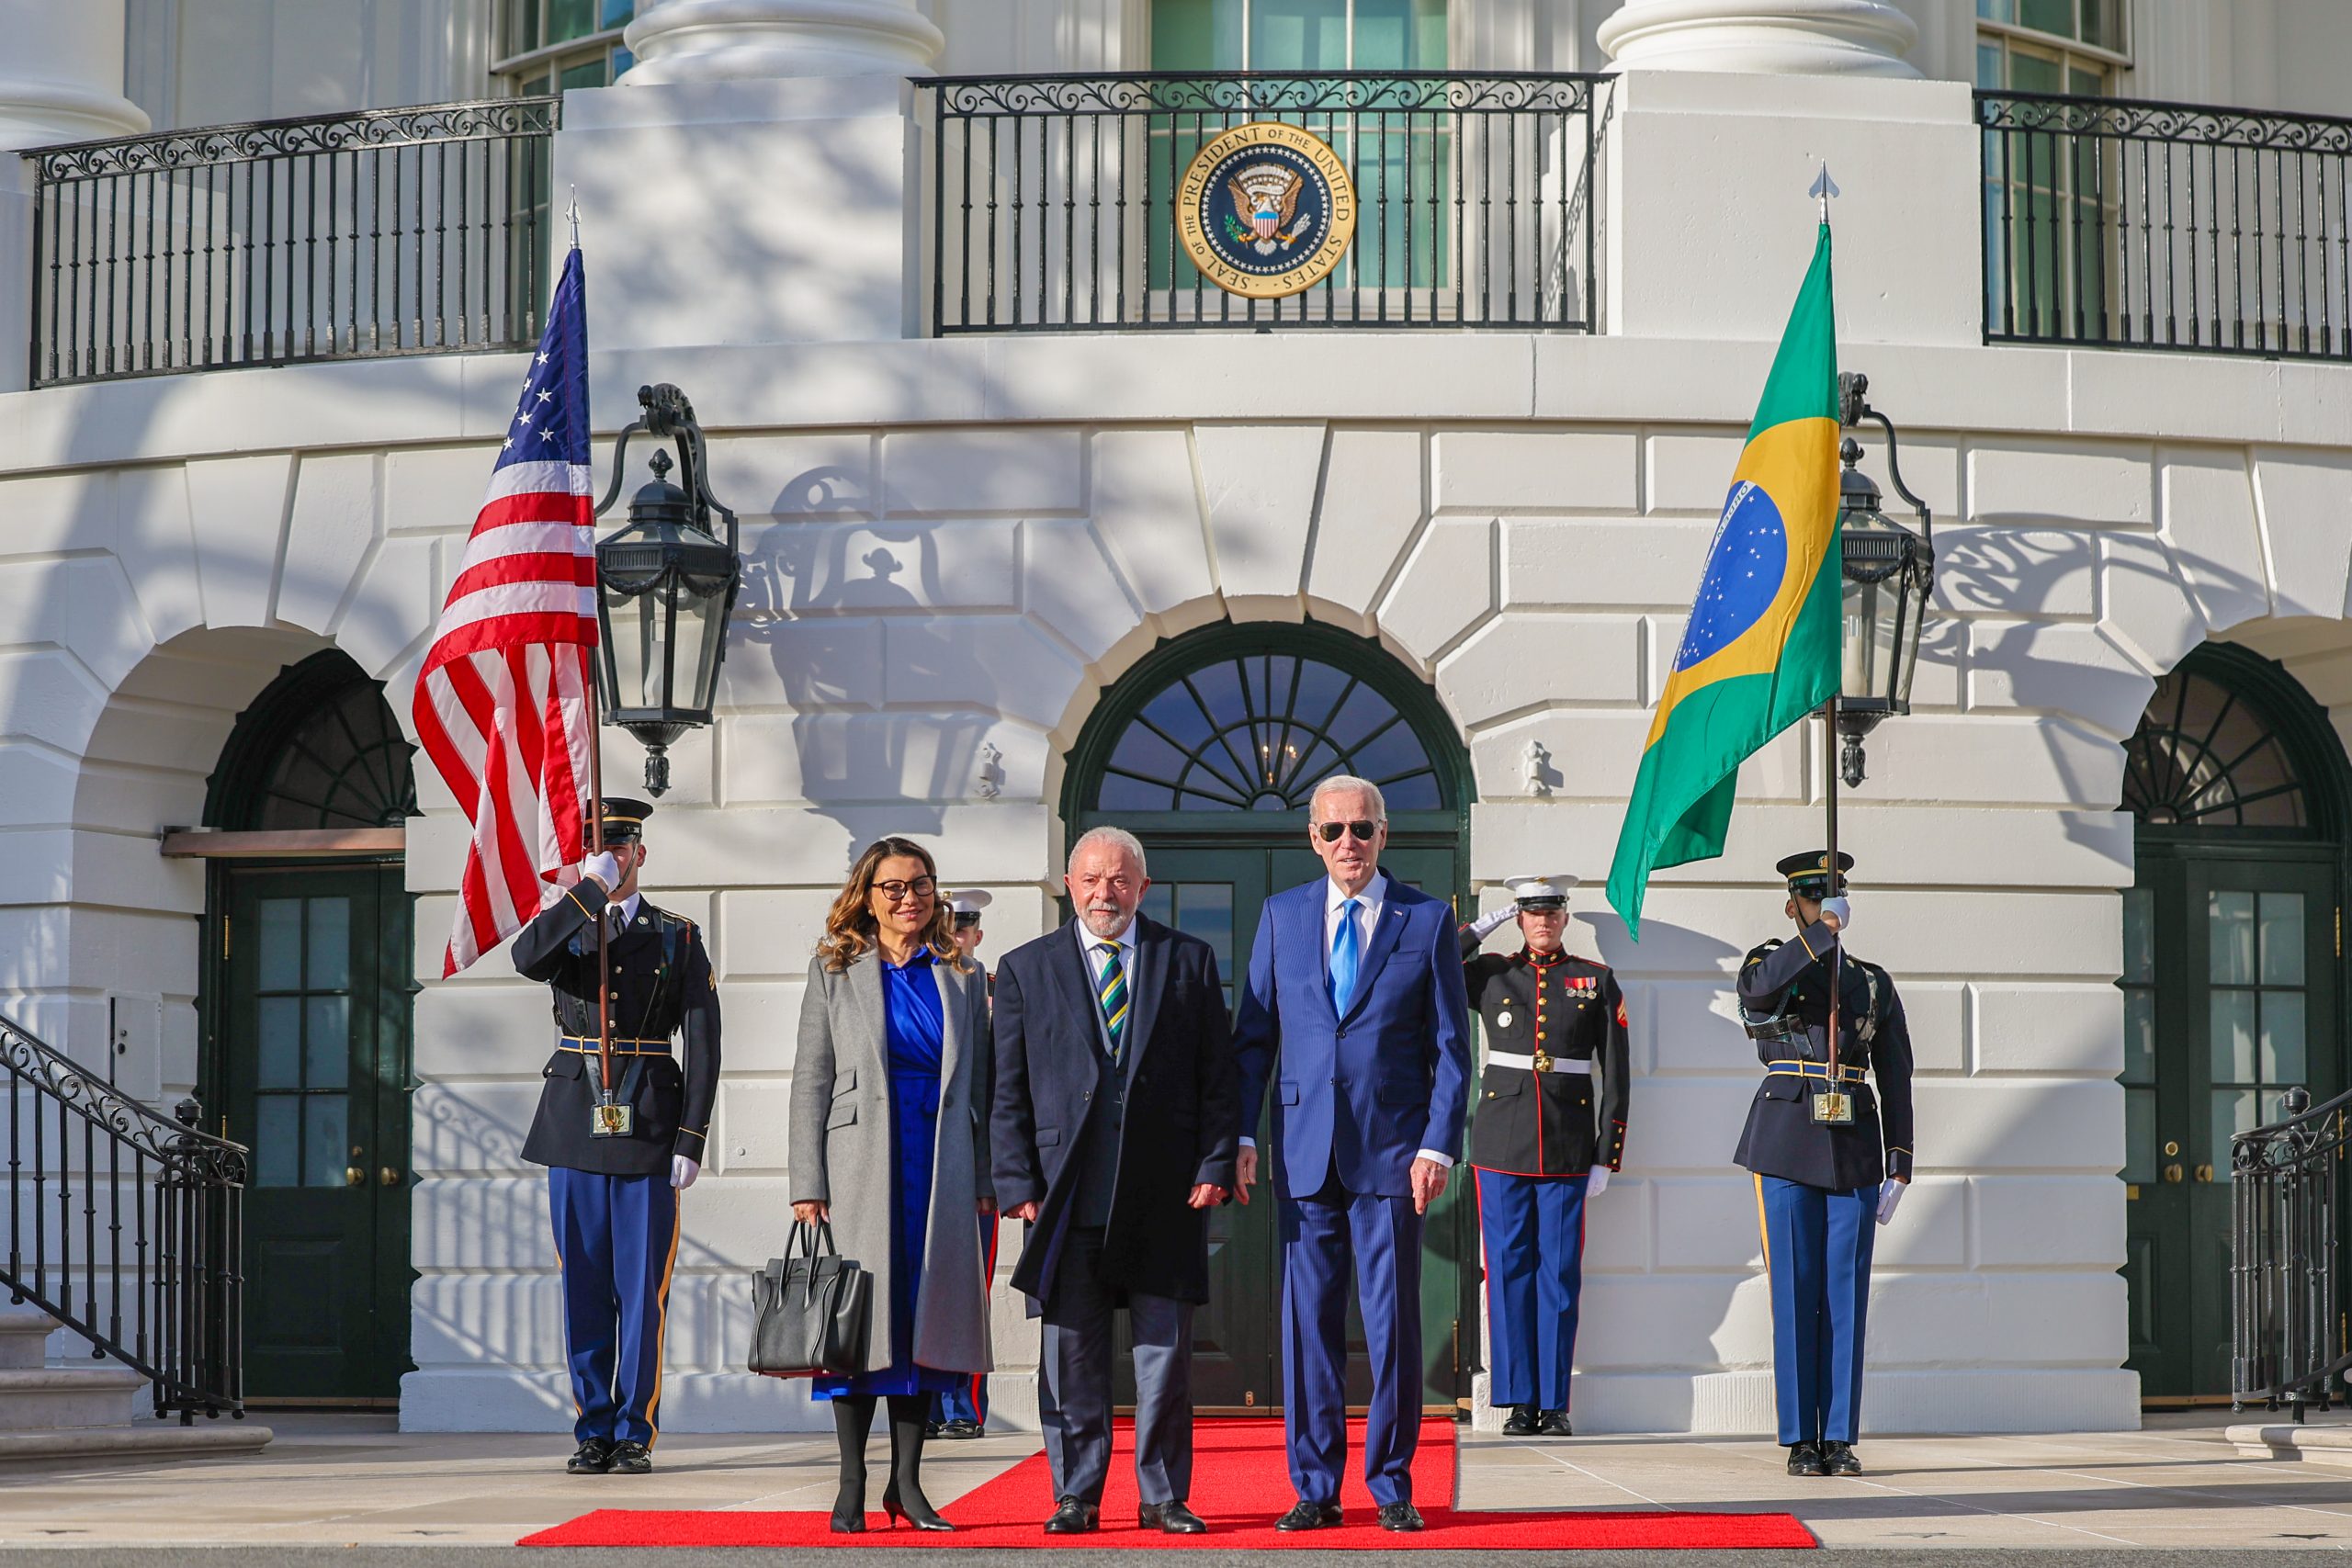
(1837, 1458)
(962, 1427)
(1525, 1421)
(1306, 1516)
(1804, 1459)
(1074, 1516)
(1171, 1518)
(1399, 1517)
(631, 1458)
(592, 1458)
(1555, 1425)
(932, 1428)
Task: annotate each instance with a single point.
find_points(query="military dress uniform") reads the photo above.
(1551, 1021)
(1818, 1179)
(614, 1210)
(963, 1411)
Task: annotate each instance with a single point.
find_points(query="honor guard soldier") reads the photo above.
(1552, 1020)
(1823, 1172)
(963, 1411)
(618, 1161)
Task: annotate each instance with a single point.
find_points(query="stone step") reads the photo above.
(24, 1335)
(147, 1439)
(2324, 1441)
(38, 1400)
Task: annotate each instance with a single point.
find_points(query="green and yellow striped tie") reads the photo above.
(1111, 989)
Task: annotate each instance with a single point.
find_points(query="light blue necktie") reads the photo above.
(1343, 958)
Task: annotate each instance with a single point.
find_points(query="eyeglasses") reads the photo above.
(922, 888)
(1329, 831)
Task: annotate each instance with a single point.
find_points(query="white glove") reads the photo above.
(1842, 907)
(606, 867)
(1485, 924)
(1890, 1193)
(682, 1172)
(1596, 1181)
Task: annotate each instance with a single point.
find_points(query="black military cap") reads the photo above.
(625, 819)
(1808, 874)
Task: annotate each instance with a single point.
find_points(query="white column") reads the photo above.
(61, 72)
(1780, 38)
(725, 40)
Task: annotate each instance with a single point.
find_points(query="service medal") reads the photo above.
(1502, 1019)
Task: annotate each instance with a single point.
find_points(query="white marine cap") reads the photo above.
(969, 904)
(1541, 892)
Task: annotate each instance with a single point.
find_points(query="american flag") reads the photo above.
(503, 707)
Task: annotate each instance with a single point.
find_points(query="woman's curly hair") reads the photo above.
(850, 925)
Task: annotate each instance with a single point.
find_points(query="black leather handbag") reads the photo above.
(810, 1310)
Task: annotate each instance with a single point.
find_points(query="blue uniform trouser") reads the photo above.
(616, 1240)
(1817, 1253)
(1382, 1236)
(1533, 1231)
(969, 1400)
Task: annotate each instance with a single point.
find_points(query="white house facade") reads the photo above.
(1007, 495)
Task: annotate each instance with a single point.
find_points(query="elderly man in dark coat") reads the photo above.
(1112, 1012)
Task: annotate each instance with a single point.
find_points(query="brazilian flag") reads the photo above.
(1761, 649)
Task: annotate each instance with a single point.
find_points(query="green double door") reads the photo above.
(1216, 892)
(2231, 961)
(314, 1052)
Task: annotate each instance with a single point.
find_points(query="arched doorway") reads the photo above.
(2233, 978)
(307, 1020)
(1207, 751)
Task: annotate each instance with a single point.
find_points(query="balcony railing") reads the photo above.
(1053, 200)
(2119, 224)
(2286, 1339)
(393, 231)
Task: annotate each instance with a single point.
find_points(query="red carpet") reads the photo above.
(1239, 1485)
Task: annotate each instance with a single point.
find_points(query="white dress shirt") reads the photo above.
(1367, 918)
(1090, 949)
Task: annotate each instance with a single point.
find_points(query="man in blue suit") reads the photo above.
(1355, 1011)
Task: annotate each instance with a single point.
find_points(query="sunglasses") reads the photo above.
(922, 888)
(1329, 831)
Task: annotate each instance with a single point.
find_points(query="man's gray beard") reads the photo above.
(1104, 925)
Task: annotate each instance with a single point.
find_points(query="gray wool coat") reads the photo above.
(840, 1152)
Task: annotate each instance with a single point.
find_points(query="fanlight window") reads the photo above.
(345, 766)
(2205, 756)
(1256, 733)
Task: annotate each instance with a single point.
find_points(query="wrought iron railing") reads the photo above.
(2124, 224)
(411, 230)
(2287, 1340)
(125, 1226)
(1053, 199)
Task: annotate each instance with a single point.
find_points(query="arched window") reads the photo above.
(1254, 732)
(319, 748)
(2207, 755)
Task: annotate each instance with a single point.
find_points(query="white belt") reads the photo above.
(1527, 1063)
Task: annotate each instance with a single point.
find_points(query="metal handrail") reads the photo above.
(126, 1226)
(2286, 1339)
(386, 231)
(2138, 223)
(1052, 199)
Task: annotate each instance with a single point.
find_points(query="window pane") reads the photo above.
(1159, 902)
(278, 1140)
(327, 962)
(616, 12)
(2229, 931)
(2282, 1037)
(2235, 1111)
(2103, 24)
(622, 61)
(522, 26)
(326, 1043)
(2282, 939)
(2232, 1016)
(323, 1116)
(2139, 1037)
(279, 955)
(1997, 10)
(1204, 910)
(1196, 35)
(2085, 83)
(1298, 35)
(277, 1045)
(2030, 73)
(535, 87)
(2140, 1134)
(1989, 64)
(2139, 935)
(571, 19)
(1400, 35)
(2048, 16)
(590, 73)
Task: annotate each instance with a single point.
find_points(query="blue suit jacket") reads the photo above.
(1364, 1093)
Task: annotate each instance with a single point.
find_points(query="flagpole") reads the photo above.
(1837, 884)
(603, 926)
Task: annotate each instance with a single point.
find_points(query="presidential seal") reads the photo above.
(1266, 210)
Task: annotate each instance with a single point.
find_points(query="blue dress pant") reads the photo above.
(616, 1241)
(1325, 1238)
(1817, 1253)
(1533, 1231)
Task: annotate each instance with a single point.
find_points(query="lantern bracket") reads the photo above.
(1853, 408)
(668, 416)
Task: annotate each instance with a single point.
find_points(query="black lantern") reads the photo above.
(1889, 573)
(665, 585)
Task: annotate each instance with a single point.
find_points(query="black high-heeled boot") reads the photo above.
(904, 1494)
(853, 1419)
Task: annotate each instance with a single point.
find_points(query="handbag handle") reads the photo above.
(822, 1231)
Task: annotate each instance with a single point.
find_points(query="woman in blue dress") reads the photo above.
(889, 1147)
